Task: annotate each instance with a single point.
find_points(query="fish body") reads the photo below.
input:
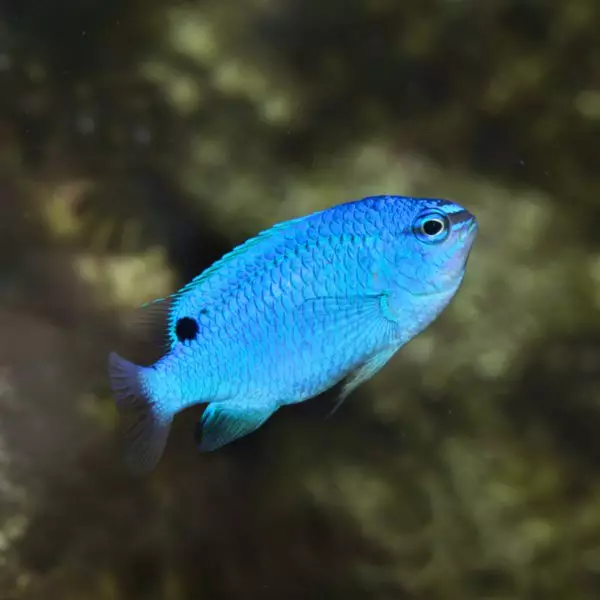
(308, 303)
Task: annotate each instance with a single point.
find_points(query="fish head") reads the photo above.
(439, 237)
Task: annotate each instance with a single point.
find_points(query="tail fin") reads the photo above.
(146, 424)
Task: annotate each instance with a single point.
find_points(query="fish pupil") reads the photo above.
(432, 227)
(186, 329)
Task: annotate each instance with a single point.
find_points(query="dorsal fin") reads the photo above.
(264, 240)
(235, 266)
(149, 327)
(152, 327)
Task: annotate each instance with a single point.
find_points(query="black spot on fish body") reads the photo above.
(186, 329)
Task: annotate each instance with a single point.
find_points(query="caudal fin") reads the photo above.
(146, 424)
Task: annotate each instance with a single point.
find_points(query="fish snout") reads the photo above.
(464, 224)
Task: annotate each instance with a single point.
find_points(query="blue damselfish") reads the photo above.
(308, 303)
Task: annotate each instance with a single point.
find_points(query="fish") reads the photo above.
(312, 302)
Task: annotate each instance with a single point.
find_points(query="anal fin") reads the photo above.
(223, 423)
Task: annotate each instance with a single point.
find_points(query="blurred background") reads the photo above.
(140, 140)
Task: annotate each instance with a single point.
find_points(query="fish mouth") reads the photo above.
(464, 227)
(461, 218)
(464, 224)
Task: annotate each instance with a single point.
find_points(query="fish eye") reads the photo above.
(432, 227)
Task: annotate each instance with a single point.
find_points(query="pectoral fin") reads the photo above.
(353, 317)
(224, 423)
(357, 320)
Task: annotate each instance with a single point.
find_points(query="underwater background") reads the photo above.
(141, 140)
